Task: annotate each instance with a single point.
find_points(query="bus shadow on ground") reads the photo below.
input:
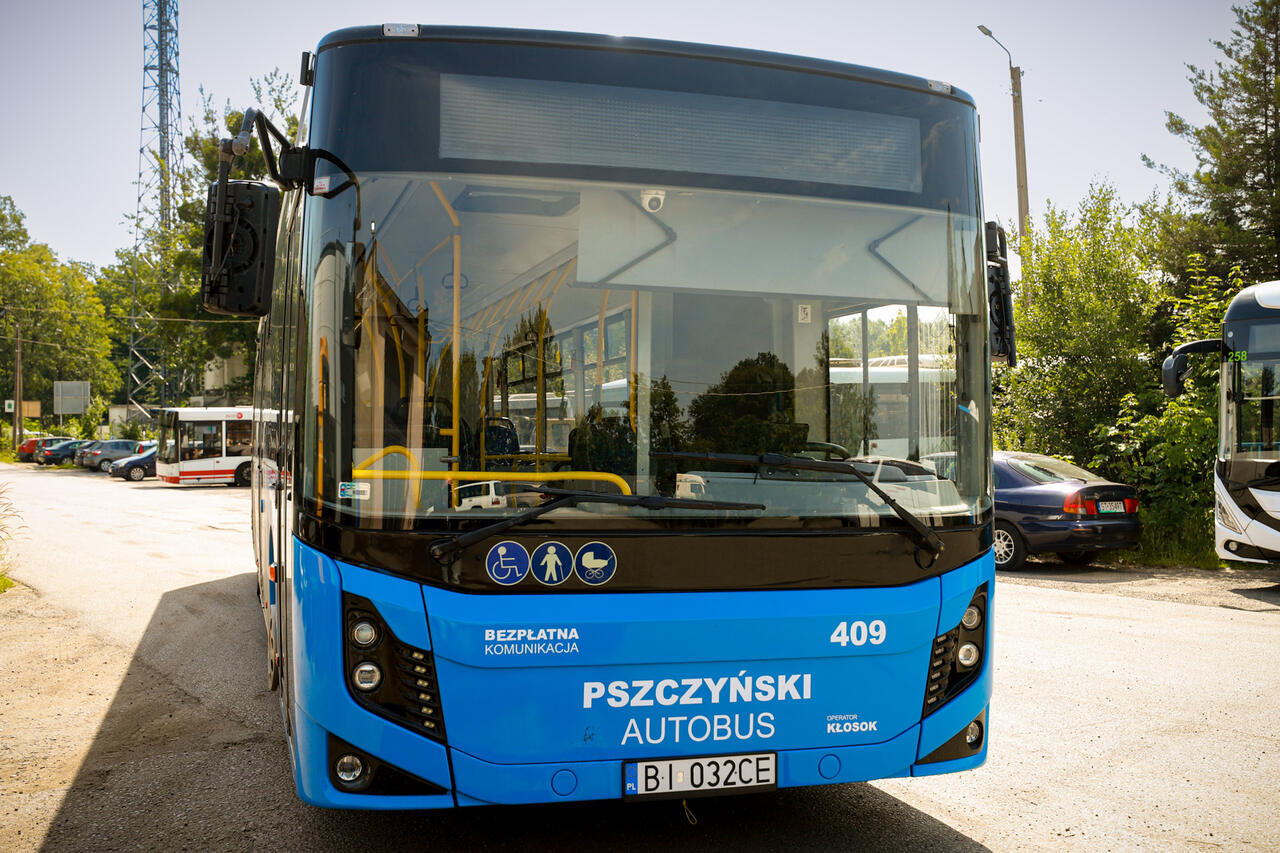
(191, 756)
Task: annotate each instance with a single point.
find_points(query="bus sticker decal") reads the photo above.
(595, 563)
(551, 563)
(507, 563)
(352, 491)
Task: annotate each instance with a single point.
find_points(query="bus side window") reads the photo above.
(239, 438)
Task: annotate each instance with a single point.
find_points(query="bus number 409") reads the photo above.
(859, 633)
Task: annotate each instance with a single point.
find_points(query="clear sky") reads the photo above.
(1099, 76)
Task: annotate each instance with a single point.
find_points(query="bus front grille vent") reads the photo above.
(419, 690)
(387, 676)
(940, 666)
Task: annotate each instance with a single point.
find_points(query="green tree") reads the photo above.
(1169, 453)
(165, 264)
(51, 305)
(1082, 334)
(750, 410)
(1233, 190)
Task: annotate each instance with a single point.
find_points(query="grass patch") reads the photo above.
(5, 583)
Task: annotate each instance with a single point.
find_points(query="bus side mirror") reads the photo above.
(240, 248)
(1172, 372)
(1000, 297)
(1174, 369)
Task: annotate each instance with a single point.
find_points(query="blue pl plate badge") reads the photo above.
(595, 563)
(507, 563)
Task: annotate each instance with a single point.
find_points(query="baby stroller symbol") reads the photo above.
(595, 563)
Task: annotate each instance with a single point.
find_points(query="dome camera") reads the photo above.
(651, 200)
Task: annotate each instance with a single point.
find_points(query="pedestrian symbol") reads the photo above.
(551, 563)
(507, 563)
(595, 563)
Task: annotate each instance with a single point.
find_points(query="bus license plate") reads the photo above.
(1110, 506)
(754, 772)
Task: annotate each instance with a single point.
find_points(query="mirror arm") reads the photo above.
(1207, 345)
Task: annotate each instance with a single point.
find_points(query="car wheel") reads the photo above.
(105, 466)
(1077, 558)
(136, 473)
(1010, 551)
(243, 475)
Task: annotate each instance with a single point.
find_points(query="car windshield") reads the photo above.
(1045, 469)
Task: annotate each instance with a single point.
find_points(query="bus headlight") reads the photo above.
(349, 768)
(366, 677)
(364, 634)
(972, 618)
(1226, 518)
(968, 655)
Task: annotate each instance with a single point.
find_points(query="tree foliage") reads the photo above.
(51, 305)
(1233, 189)
(164, 266)
(1081, 331)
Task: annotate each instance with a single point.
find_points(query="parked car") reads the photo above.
(28, 449)
(1046, 505)
(83, 449)
(137, 467)
(60, 452)
(106, 452)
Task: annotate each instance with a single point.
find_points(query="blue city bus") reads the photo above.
(586, 266)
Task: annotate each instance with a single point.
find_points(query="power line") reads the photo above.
(118, 317)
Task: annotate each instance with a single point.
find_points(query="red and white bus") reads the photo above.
(206, 445)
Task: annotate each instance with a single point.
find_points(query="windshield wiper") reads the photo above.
(917, 531)
(446, 548)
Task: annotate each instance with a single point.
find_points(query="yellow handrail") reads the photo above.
(362, 468)
(503, 476)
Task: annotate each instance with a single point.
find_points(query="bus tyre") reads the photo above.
(1010, 551)
(136, 473)
(242, 474)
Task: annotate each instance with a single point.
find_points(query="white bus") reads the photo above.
(206, 445)
(1246, 517)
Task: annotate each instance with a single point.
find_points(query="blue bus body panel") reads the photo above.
(322, 702)
(545, 697)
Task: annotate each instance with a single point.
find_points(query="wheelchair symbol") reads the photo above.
(507, 563)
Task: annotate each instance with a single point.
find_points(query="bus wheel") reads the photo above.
(242, 474)
(273, 671)
(1010, 552)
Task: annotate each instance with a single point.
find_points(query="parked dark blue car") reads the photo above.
(1047, 505)
(135, 467)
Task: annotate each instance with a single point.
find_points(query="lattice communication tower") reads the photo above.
(159, 156)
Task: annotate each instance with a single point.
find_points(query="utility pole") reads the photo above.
(1019, 141)
(17, 386)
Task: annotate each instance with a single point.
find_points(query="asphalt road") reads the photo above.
(1132, 710)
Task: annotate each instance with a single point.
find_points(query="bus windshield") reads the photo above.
(568, 334)
(1251, 391)
(561, 280)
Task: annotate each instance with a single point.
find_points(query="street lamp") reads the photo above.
(1019, 143)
